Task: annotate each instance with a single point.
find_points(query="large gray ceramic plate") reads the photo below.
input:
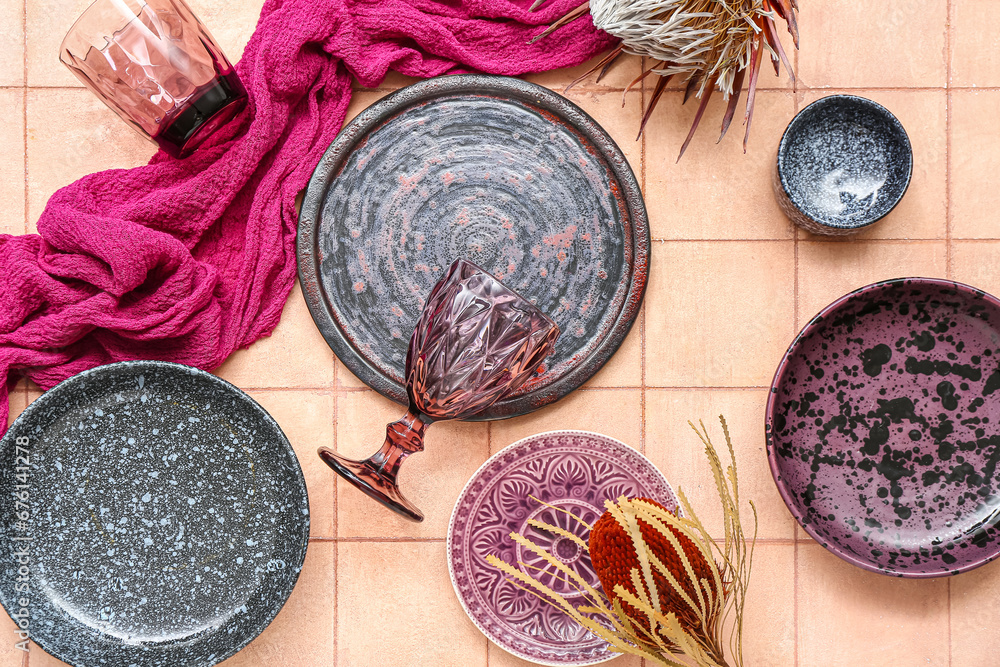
(496, 170)
(166, 517)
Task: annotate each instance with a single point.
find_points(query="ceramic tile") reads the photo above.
(231, 23)
(677, 451)
(849, 616)
(621, 74)
(624, 368)
(922, 213)
(827, 271)
(17, 401)
(613, 412)
(307, 418)
(975, 608)
(715, 191)
(720, 315)
(11, 43)
(396, 606)
(361, 100)
(394, 81)
(621, 123)
(974, 263)
(431, 479)
(845, 44)
(302, 635)
(975, 43)
(10, 654)
(11, 159)
(294, 355)
(975, 157)
(72, 134)
(769, 619)
(345, 378)
(48, 21)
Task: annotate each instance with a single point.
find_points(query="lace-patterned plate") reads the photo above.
(575, 471)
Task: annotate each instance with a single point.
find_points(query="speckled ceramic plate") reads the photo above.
(163, 516)
(883, 427)
(496, 170)
(574, 471)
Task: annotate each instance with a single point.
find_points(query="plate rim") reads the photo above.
(771, 406)
(514, 88)
(461, 496)
(71, 381)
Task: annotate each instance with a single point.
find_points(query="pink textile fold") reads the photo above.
(188, 260)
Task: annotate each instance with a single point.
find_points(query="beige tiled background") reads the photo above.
(731, 283)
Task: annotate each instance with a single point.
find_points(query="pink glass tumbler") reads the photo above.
(476, 341)
(156, 65)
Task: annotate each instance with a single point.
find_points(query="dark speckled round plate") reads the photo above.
(884, 427)
(496, 170)
(167, 517)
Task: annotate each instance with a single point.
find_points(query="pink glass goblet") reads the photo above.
(156, 65)
(475, 342)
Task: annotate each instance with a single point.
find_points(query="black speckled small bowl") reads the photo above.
(843, 164)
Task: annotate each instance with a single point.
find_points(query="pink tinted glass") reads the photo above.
(158, 67)
(476, 342)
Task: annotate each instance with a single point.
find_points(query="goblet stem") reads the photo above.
(376, 475)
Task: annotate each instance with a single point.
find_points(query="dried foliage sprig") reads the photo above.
(710, 44)
(668, 587)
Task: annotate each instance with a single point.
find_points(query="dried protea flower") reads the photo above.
(615, 555)
(667, 585)
(711, 44)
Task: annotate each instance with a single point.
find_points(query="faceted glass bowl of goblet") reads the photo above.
(476, 341)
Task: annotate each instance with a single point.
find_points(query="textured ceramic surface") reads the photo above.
(501, 172)
(843, 163)
(574, 471)
(168, 517)
(884, 427)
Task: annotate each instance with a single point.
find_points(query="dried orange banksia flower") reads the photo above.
(668, 587)
(710, 44)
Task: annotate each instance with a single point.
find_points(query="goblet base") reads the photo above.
(369, 479)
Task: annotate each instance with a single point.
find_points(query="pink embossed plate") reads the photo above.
(575, 471)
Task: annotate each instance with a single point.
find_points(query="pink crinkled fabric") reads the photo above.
(188, 260)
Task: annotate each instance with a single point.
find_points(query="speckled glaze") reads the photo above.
(168, 516)
(843, 163)
(504, 173)
(883, 427)
(574, 471)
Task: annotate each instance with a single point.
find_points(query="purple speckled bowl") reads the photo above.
(883, 427)
(574, 471)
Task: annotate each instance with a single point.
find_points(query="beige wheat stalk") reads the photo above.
(664, 641)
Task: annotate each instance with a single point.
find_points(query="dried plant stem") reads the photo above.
(698, 636)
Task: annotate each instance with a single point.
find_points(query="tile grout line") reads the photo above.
(795, 329)
(336, 523)
(26, 658)
(649, 265)
(24, 107)
(949, 246)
